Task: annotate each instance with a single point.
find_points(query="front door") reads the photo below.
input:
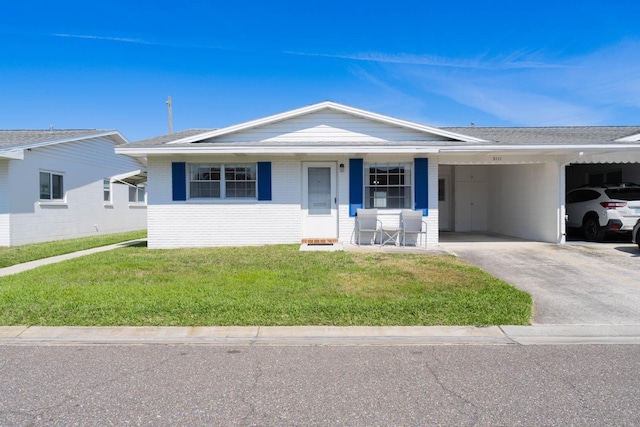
(319, 203)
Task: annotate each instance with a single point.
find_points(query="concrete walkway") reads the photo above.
(19, 268)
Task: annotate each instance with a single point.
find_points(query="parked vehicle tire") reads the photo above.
(592, 230)
(638, 239)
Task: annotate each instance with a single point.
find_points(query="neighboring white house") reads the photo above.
(299, 176)
(63, 184)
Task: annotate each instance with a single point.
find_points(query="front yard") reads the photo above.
(269, 285)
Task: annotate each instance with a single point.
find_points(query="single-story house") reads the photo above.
(300, 176)
(63, 184)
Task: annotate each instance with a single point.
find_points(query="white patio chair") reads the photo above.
(412, 227)
(367, 223)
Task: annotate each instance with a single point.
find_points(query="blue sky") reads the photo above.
(112, 64)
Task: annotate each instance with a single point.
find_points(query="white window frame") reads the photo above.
(51, 186)
(223, 181)
(138, 190)
(381, 195)
(107, 192)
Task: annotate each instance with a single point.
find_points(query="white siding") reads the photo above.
(84, 165)
(220, 223)
(327, 126)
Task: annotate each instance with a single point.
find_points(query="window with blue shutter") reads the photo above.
(421, 194)
(264, 180)
(356, 185)
(179, 181)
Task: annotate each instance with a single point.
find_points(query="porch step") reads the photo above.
(327, 247)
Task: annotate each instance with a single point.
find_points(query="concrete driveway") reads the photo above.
(577, 283)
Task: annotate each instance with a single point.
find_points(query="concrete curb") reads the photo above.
(322, 335)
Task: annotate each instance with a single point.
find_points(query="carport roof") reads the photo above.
(565, 135)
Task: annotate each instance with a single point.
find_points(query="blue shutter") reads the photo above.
(422, 185)
(264, 180)
(356, 185)
(179, 180)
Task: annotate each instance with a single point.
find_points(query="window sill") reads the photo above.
(137, 205)
(108, 205)
(53, 203)
(221, 201)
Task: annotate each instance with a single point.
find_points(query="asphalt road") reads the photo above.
(577, 283)
(322, 385)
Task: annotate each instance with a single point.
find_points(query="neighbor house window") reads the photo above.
(222, 181)
(51, 186)
(106, 187)
(137, 193)
(387, 185)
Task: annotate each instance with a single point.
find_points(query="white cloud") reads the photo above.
(115, 39)
(138, 41)
(597, 88)
(515, 60)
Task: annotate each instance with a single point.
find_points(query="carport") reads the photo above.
(515, 184)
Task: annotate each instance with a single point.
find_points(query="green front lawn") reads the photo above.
(20, 254)
(269, 285)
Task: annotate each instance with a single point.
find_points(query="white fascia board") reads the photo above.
(274, 150)
(630, 138)
(114, 135)
(12, 154)
(538, 148)
(129, 177)
(317, 107)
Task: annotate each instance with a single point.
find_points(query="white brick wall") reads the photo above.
(219, 223)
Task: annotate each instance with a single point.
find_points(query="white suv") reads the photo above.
(635, 234)
(601, 209)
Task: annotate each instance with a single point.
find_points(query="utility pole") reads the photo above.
(170, 114)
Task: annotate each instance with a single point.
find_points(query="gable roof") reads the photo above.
(11, 139)
(329, 127)
(327, 105)
(323, 127)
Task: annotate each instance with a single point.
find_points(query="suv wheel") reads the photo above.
(638, 238)
(592, 230)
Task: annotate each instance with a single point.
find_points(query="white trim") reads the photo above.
(321, 106)
(630, 138)
(12, 154)
(278, 150)
(123, 177)
(113, 133)
(368, 149)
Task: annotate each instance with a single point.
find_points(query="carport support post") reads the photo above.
(562, 212)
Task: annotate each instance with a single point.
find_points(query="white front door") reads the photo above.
(319, 203)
